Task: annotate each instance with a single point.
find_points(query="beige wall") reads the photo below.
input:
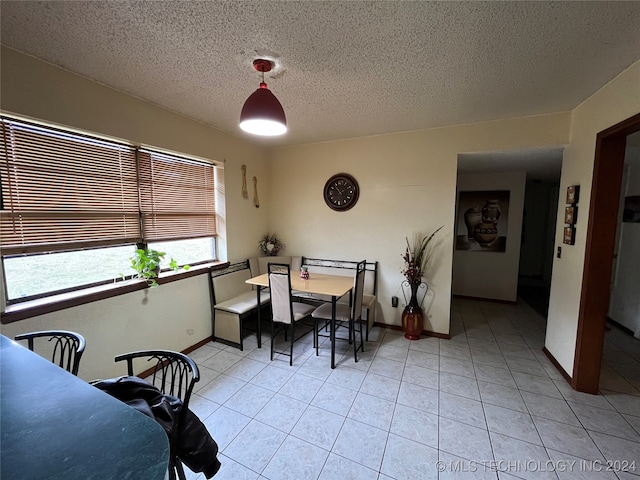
(176, 315)
(492, 275)
(407, 183)
(617, 101)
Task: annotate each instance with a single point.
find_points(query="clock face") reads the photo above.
(341, 192)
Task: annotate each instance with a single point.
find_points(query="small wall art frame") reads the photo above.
(569, 236)
(570, 214)
(573, 194)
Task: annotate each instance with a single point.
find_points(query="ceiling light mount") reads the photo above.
(262, 113)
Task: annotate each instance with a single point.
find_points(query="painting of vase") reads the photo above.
(482, 221)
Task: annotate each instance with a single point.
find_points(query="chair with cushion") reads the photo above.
(285, 313)
(350, 314)
(66, 350)
(173, 373)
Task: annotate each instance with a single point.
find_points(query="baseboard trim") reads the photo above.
(426, 333)
(620, 326)
(201, 343)
(556, 364)
(186, 351)
(494, 300)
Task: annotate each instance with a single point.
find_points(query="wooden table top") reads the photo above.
(318, 283)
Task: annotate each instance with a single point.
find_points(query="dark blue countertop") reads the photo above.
(54, 425)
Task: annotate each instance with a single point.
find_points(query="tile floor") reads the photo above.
(485, 404)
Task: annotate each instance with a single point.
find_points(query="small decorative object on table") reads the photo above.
(304, 273)
(416, 258)
(270, 245)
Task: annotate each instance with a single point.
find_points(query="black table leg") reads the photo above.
(332, 334)
(259, 327)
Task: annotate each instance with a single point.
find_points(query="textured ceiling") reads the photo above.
(344, 69)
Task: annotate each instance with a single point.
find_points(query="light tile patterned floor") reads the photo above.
(485, 404)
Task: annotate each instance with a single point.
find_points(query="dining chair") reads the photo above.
(173, 373)
(284, 311)
(350, 314)
(66, 350)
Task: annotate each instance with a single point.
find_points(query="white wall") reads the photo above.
(492, 275)
(175, 315)
(616, 101)
(407, 183)
(624, 307)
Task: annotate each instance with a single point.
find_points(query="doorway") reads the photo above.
(601, 237)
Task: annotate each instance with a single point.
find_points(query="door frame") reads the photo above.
(598, 262)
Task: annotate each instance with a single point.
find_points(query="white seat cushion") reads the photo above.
(243, 303)
(343, 312)
(301, 310)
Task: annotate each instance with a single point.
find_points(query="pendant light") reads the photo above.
(262, 113)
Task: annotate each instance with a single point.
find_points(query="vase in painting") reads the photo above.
(485, 233)
(491, 212)
(472, 217)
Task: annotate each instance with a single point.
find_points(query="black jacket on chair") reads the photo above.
(195, 446)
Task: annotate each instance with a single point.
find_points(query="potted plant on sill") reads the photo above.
(146, 263)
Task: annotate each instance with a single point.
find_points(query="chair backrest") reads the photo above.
(358, 289)
(66, 350)
(174, 373)
(280, 288)
(258, 265)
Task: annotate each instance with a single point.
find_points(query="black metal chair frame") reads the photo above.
(355, 317)
(174, 373)
(67, 350)
(285, 269)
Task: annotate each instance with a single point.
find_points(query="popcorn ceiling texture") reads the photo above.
(343, 69)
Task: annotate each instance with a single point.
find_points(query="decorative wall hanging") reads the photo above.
(482, 221)
(569, 235)
(571, 215)
(256, 202)
(245, 194)
(573, 194)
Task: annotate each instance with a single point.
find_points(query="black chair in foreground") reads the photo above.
(284, 311)
(67, 347)
(173, 373)
(351, 314)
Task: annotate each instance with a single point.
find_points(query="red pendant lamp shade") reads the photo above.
(262, 113)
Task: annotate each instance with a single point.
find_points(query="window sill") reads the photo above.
(41, 306)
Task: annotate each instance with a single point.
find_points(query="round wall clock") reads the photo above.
(341, 192)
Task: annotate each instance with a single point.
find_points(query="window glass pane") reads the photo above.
(43, 273)
(186, 251)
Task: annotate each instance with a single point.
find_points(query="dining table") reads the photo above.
(334, 286)
(55, 425)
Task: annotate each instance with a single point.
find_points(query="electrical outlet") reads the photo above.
(394, 302)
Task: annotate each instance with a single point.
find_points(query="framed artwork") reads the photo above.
(570, 214)
(569, 236)
(573, 194)
(482, 221)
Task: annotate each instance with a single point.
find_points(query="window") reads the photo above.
(73, 208)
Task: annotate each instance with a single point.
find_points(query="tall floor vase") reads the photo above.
(412, 316)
